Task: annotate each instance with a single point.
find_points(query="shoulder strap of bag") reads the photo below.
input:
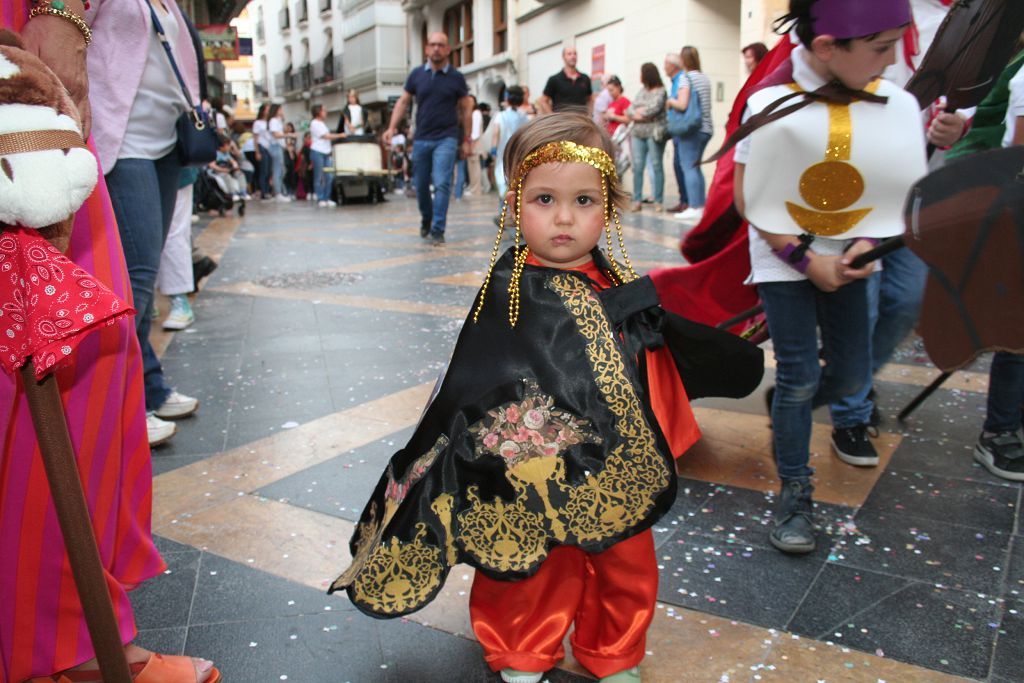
(693, 90)
(170, 55)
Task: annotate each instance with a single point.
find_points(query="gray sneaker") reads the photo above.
(1002, 454)
(794, 518)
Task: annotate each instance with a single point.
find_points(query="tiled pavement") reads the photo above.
(315, 346)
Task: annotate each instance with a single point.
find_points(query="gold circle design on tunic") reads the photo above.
(831, 185)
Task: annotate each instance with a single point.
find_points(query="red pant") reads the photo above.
(609, 595)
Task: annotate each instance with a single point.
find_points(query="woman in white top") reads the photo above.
(261, 135)
(320, 153)
(276, 137)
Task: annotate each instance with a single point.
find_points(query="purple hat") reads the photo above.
(858, 18)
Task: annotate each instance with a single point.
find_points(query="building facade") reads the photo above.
(310, 52)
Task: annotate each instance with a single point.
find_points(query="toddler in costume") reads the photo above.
(546, 453)
(822, 177)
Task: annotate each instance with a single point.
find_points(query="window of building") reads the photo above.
(458, 24)
(500, 26)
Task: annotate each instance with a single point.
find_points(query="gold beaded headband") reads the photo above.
(560, 152)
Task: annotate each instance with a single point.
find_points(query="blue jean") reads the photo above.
(277, 168)
(322, 180)
(263, 171)
(690, 152)
(1005, 393)
(461, 176)
(143, 193)
(677, 167)
(795, 311)
(894, 302)
(434, 161)
(641, 147)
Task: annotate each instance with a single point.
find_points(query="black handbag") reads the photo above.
(197, 139)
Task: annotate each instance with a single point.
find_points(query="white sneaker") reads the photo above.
(158, 431)
(283, 198)
(310, 197)
(181, 315)
(177, 405)
(321, 203)
(246, 196)
(513, 676)
(331, 202)
(689, 214)
(195, 218)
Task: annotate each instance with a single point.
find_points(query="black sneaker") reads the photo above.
(794, 518)
(202, 268)
(424, 230)
(853, 446)
(1002, 454)
(437, 239)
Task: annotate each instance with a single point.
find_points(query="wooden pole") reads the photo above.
(75, 524)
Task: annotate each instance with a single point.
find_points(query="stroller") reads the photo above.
(623, 152)
(210, 197)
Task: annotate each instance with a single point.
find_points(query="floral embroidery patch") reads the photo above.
(531, 428)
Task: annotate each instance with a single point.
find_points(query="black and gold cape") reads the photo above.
(538, 435)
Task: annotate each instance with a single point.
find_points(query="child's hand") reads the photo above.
(850, 273)
(829, 273)
(945, 129)
(825, 272)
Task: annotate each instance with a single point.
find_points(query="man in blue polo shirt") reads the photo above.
(442, 102)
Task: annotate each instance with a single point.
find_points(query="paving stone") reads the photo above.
(942, 499)
(926, 550)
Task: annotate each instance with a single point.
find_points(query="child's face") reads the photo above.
(563, 213)
(862, 61)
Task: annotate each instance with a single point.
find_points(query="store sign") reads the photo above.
(597, 62)
(220, 42)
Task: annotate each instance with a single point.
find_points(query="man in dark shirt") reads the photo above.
(568, 88)
(442, 103)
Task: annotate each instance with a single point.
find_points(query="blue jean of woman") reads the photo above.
(690, 151)
(321, 179)
(263, 172)
(795, 311)
(143, 193)
(277, 168)
(641, 148)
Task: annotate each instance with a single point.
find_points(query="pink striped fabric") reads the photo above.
(42, 629)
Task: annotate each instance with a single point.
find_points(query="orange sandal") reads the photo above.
(159, 669)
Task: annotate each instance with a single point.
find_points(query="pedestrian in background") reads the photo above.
(676, 107)
(650, 130)
(442, 100)
(698, 85)
(753, 54)
(261, 150)
(320, 146)
(277, 136)
(569, 88)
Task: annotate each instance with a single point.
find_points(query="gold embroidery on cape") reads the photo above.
(623, 493)
(502, 536)
(442, 507)
(400, 576)
(371, 531)
(834, 184)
